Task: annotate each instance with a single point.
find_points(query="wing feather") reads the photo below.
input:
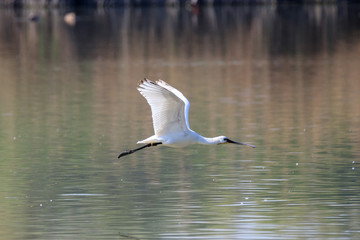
(169, 107)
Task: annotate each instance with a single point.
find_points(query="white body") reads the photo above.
(182, 139)
(170, 111)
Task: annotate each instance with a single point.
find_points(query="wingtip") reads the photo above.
(146, 80)
(161, 81)
(142, 81)
(157, 82)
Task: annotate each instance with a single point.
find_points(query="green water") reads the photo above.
(285, 79)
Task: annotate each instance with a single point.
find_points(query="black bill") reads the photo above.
(240, 143)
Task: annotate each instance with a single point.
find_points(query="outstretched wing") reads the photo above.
(169, 107)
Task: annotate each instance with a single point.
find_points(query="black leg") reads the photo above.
(137, 149)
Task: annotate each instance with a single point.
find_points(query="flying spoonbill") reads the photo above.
(170, 114)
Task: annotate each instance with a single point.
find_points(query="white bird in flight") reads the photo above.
(170, 114)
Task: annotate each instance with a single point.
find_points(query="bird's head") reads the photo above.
(220, 140)
(224, 139)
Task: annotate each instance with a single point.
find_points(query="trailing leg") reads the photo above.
(137, 149)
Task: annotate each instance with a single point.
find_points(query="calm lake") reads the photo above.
(285, 78)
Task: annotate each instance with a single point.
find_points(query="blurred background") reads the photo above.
(282, 76)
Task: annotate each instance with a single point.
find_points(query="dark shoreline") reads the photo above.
(144, 3)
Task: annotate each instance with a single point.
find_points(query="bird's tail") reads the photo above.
(152, 139)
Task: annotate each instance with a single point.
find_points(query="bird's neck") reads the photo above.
(205, 140)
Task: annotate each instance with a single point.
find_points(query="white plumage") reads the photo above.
(170, 114)
(169, 109)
